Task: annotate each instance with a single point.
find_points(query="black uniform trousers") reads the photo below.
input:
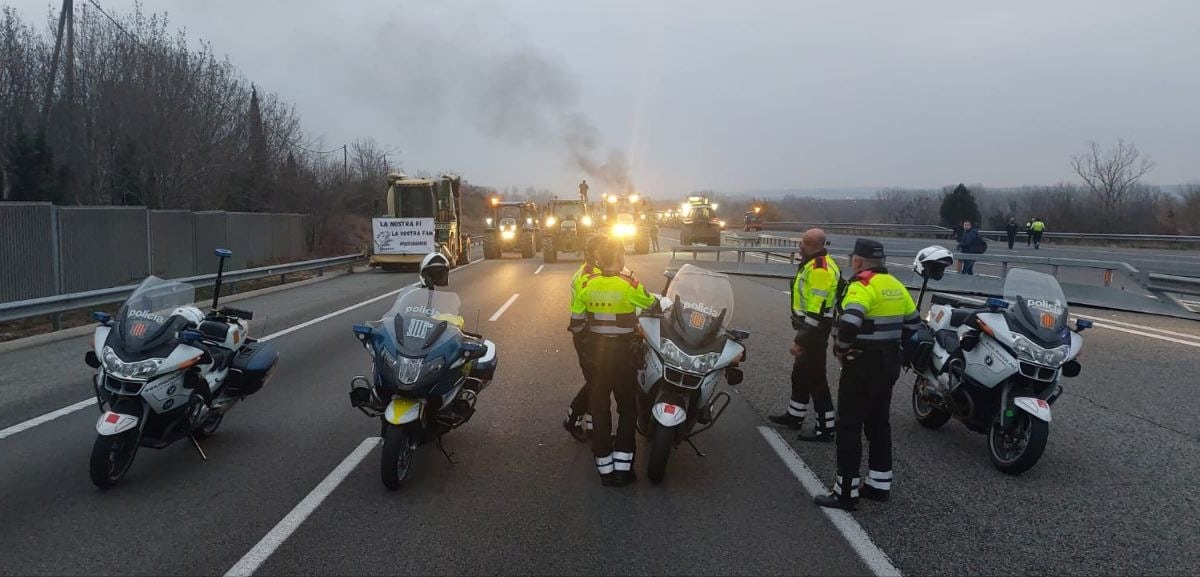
(579, 405)
(613, 368)
(1012, 238)
(864, 401)
(809, 380)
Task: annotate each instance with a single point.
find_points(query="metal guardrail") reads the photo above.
(1174, 284)
(55, 305)
(942, 232)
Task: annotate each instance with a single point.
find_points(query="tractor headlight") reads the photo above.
(587, 221)
(488, 221)
(551, 221)
(508, 234)
(140, 370)
(529, 221)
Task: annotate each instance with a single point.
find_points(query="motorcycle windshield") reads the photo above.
(421, 317)
(702, 305)
(1039, 305)
(147, 319)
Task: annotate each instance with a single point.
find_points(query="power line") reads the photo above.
(274, 130)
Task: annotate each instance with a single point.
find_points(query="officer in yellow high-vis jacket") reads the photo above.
(605, 307)
(814, 291)
(578, 422)
(877, 313)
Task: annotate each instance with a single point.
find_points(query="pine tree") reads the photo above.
(958, 206)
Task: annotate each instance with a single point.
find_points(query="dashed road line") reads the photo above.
(504, 307)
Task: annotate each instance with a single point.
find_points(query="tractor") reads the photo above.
(511, 227)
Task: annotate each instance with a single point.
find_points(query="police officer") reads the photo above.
(814, 291)
(877, 312)
(578, 422)
(605, 307)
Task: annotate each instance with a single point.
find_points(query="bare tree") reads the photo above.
(1111, 175)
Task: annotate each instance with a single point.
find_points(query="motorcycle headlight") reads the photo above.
(140, 370)
(408, 370)
(1028, 351)
(700, 364)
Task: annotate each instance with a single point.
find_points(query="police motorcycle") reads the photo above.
(426, 370)
(688, 348)
(996, 367)
(167, 371)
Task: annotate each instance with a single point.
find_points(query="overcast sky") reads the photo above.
(731, 95)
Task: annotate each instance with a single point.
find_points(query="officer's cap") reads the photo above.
(867, 248)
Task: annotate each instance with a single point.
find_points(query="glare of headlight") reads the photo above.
(550, 220)
(507, 234)
(612, 199)
(714, 205)
(634, 199)
(528, 220)
(587, 221)
(495, 201)
(489, 222)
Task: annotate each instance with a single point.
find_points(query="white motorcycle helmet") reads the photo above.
(435, 270)
(931, 262)
(193, 316)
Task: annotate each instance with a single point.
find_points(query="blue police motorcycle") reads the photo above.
(427, 373)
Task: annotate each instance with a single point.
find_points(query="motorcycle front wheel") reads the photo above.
(112, 455)
(1017, 448)
(397, 456)
(661, 442)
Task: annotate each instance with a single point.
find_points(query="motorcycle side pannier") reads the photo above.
(484, 368)
(251, 368)
(919, 349)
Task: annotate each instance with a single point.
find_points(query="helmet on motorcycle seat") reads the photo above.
(435, 270)
(931, 262)
(192, 315)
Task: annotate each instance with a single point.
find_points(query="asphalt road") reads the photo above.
(523, 497)
(1113, 494)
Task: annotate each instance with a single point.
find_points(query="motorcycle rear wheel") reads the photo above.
(1017, 448)
(112, 455)
(927, 415)
(661, 443)
(396, 456)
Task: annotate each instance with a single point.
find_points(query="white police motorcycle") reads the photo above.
(996, 367)
(689, 346)
(166, 371)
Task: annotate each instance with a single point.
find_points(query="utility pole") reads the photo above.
(346, 163)
(58, 40)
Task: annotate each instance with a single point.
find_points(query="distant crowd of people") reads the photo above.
(970, 241)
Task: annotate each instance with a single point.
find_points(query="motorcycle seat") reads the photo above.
(948, 340)
(214, 330)
(960, 317)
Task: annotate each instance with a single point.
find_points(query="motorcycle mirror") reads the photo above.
(101, 317)
(190, 336)
(669, 273)
(997, 304)
(734, 376)
(362, 332)
(473, 348)
(223, 253)
(91, 360)
(1071, 369)
(738, 335)
(1081, 324)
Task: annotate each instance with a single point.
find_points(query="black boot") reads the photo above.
(607, 479)
(833, 501)
(574, 426)
(869, 492)
(817, 436)
(622, 478)
(787, 420)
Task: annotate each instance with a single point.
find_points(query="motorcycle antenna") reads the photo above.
(222, 254)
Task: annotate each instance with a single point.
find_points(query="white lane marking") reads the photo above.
(504, 307)
(1140, 327)
(1099, 325)
(870, 553)
(31, 423)
(539, 269)
(252, 560)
